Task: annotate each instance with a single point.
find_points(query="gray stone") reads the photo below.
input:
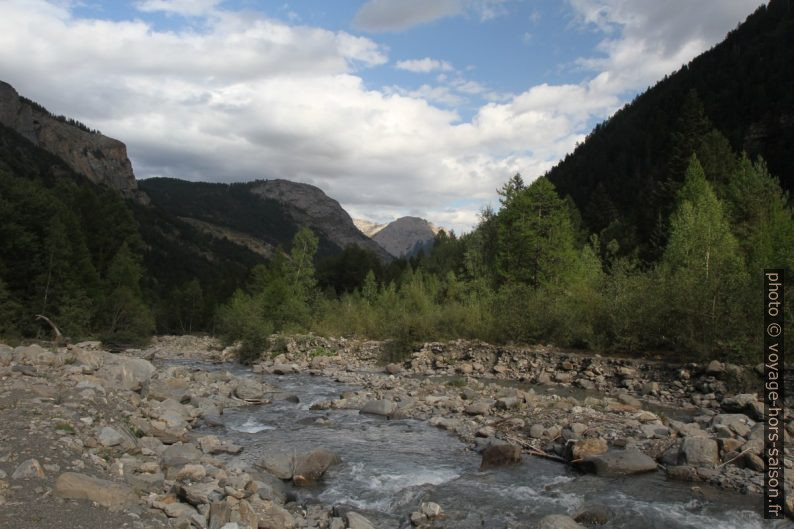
(125, 372)
(620, 463)
(480, 407)
(279, 464)
(33, 355)
(379, 407)
(179, 455)
(311, 466)
(110, 437)
(82, 487)
(356, 521)
(28, 469)
(699, 452)
(249, 390)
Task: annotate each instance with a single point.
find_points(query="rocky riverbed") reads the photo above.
(147, 438)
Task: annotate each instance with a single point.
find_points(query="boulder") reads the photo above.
(379, 407)
(394, 369)
(746, 403)
(620, 463)
(28, 469)
(33, 355)
(82, 487)
(200, 493)
(593, 514)
(356, 521)
(698, 452)
(125, 372)
(498, 455)
(250, 390)
(180, 455)
(279, 464)
(479, 407)
(110, 437)
(557, 521)
(583, 448)
(311, 466)
(270, 515)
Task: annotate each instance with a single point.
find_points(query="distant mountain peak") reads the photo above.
(406, 236)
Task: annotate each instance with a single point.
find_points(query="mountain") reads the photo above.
(619, 176)
(260, 215)
(101, 159)
(368, 228)
(407, 236)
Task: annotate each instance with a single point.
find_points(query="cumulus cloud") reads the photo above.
(425, 65)
(251, 97)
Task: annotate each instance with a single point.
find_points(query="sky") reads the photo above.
(392, 107)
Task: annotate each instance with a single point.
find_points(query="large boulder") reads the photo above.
(250, 390)
(279, 464)
(620, 463)
(126, 372)
(33, 355)
(379, 407)
(498, 455)
(558, 521)
(357, 521)
(746, 403)
(106, 493)
(699, 452)
(311, 466)
(179, 455)
(270, 515)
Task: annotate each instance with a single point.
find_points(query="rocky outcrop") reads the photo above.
(101, 159)
(407, 236)
(310, 206)
(368, 228)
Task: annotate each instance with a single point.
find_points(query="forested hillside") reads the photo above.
(625, 176)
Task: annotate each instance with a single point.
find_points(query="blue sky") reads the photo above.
(419, 107)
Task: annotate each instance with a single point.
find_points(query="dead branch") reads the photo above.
(55, 330)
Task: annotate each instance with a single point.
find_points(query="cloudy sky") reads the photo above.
(393, 107)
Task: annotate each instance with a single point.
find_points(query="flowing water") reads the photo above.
(389, 467)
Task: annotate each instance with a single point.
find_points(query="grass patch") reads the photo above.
(65, 427)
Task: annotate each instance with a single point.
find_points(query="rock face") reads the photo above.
(101, 159)
(368, 228)
(407, 236)
(310, 206)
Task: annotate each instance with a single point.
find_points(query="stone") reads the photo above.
(125, 372)
(279, 464)
(654, 431)
(35, 354)
(200, 493)
(357, 521)
(744, 403)
(249, 390)
(110, 437)
(593, 514)
(682, 473)
(271, 515)
(379, 407)
(479, 407)
(311, 466)
(557, 521)
(715, 367)
(219, 515)
(536, 431)
(498, 455)
(72, 485)
(583, 448)
(699, 452)
(179, 455)
(28, 469)
(394, 369)
(431, 509)
(507, 403)
(620, 463)
(628, 400)
(754, 462)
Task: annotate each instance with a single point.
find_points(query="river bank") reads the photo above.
(155, 425)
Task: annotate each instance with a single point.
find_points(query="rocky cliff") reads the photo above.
(368, 228)
(101, 159)
(407, 236)
(310, 206)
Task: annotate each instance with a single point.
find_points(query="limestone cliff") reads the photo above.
(101, 159)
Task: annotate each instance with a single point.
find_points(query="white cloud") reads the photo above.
(250, 97)
(425, 65)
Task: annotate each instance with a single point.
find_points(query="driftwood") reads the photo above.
(55, 330)
(531, 450)
(734, 458)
